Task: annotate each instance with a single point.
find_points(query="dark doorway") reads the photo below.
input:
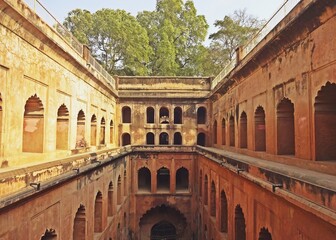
(150, 138)
(201, 115)
(260, 129)
(201, 139)
(163, 231)
(325, 123)
(177, 115)
(164, 138)
(240, 226)
(163, 179)
(285, 128)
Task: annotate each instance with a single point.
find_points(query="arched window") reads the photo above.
(285, 127)
(201, 115)
(126, 114)
(224, 213)
(50, 234)
(243, 130)
(164, 138)
(119, 191)
(232, 132)
(215, 132)
(62, 128)
(163, 230)
(200, 184)
(79, 228)
(125, 139)
(111, 131)
(213, 199)
(260, 129)
(125, 183)
(177, 115)
(264, 234)
(182, 179)
(201, 139)
(33, 126)
(80, 137)
(177, 138)
(164, 115)
(206, 190)
(98, 213)
(325, 123)
(144, 180)
(150, 138)
(163, 179)
(223, 132)
(150, 115)
(240, 232)
(102, 131)
(110, 200)
(93, 130)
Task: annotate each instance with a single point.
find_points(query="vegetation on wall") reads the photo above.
(168, 41)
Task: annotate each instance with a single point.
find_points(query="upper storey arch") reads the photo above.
(126, 114)
(325, 123)
(201, 115)
(33, 125)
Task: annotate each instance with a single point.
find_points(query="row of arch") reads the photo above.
(163, 179)
(80, 220)
(33, 127)
(164, 117)
(324, 119)
(239, 219)
(150, 139)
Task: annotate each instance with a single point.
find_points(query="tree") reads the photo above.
(176, 36)
(114, 37)
(233, 32)
(79, 23)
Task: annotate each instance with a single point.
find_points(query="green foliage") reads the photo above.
(115, 38)
(176, 36)
(166, 41)
(233, 32)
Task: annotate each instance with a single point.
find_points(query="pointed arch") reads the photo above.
(182, 179)
(80, 134)
(102, 131)
(232, 131)
(144, 180)
(223, 131)
(93, 130)
(213, 199)
(243, 130)
(215, 132)
(285, 128)
(79, 228)
(240, 226)
(264, 234)
(62, 128)
(110, 200)
(163, 179)
(260, 129)
(98, 213)
(119, 191)
(223, 213)
(33, 125)
(206, 186)
(111, 132)
(325, 123)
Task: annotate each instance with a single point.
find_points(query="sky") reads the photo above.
(211, 9)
